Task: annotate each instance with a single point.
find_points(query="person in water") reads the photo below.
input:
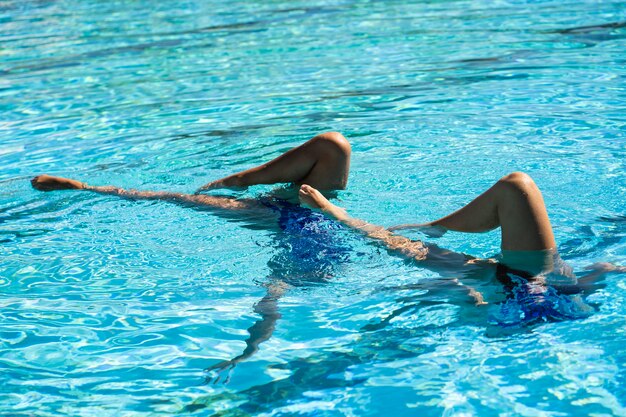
(514, 204)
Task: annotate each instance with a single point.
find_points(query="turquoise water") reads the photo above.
(113, 307)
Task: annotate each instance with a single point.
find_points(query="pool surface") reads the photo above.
(112, 307)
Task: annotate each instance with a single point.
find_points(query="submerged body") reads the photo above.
(309, 249)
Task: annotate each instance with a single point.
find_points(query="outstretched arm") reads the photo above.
(433, 257)
(412, 249)
(311, 197)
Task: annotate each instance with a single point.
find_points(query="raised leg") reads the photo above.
(323, 162)
(516, 205)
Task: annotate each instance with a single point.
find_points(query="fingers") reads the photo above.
(305, 190)
(308, 191)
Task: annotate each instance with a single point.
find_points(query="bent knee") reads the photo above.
(334, 142)
(518, 177)
(518, 181)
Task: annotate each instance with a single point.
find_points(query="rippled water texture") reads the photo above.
(112, 307)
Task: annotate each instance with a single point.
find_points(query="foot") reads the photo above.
(605, 267)
(310, 197)
(432, 231)
(49, 183)
(232, 183)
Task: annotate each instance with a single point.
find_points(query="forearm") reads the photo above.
(311, 197)
(400, 244)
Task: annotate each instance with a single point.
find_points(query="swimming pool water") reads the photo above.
(115, 308)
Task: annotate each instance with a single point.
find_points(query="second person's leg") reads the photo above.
(516, 205)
